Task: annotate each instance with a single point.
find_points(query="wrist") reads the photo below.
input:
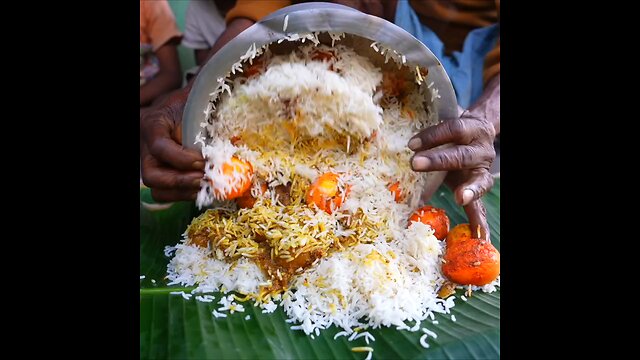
(488, 106)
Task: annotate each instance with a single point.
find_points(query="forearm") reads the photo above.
(201, 56)
(234, 28)
(488, 105)
(161, 84)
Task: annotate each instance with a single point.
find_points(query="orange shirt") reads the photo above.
(157, 23)
(451, 20)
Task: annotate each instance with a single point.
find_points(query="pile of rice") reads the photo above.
(293, 117)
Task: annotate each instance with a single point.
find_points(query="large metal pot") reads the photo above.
(311, 17)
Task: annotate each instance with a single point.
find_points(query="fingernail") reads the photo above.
(467, 196)
(198, 165)
(415, 143)
(420, 163)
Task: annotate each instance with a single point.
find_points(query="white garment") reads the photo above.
(203, 24)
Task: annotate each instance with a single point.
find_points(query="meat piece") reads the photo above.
(284, 194)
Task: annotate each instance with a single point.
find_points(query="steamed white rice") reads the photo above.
(391, 275)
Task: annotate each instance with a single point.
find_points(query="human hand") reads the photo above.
(468, 160)
(475, 210)
(172, 172)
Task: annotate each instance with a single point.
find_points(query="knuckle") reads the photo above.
(157, 148)
(488, 156)
(174, 111)
(466, 156)
(488, 180)
(484, 183)
(486, 130)
(461, 131)
(489, 129)
(444, 160)
(455, 127)
(481, 176)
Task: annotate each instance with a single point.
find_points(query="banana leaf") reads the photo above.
(174, 328)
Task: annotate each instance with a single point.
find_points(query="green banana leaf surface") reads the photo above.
(174, 328)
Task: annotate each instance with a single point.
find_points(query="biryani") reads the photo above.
(308, 190)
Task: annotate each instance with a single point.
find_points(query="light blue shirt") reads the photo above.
(465, 68)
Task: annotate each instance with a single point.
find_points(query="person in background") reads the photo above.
(203, 26)
(174, 172)
(159, 63)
